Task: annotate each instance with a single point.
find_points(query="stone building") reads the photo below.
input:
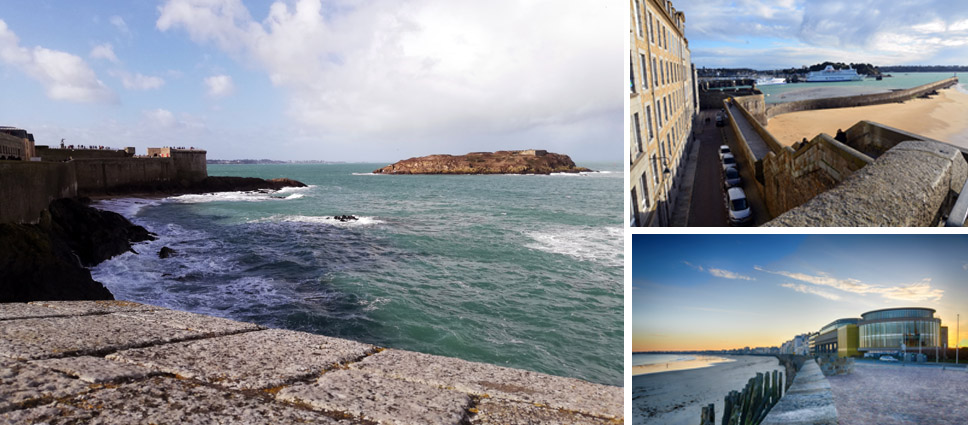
(662, 107)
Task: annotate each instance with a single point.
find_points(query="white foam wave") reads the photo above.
(288, 189)
(369, 174)
(360, 221)
(603, 245)
(128, 207)
(256, 196)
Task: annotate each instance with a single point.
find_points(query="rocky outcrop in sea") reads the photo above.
(501, 162)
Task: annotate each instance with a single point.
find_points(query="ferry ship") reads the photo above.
(829, 74)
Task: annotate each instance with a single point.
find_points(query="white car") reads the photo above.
(729, 161)
(723, 150)
(888, 359)
(739, 208)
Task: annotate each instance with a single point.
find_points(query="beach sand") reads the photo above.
(698, 363)
(943, 117)
(676, 398)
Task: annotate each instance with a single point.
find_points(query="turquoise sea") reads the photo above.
(518, 271)
(899, 80)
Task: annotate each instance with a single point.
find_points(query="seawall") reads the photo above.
(124, 362)
(808, 401)
(859, 100)
(27, 187)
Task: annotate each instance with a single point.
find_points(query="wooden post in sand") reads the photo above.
(708, 415)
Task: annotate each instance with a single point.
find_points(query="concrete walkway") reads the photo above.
(755, 141)
(117, 362)
(807, 402)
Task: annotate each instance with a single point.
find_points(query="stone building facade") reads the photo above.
(662, 108)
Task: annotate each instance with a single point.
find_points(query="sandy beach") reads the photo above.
(698, 363)
(676, 398)
(943, 117)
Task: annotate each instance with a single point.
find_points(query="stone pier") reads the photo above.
(118, 362)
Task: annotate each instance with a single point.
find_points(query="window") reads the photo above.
(638, 133)
(655, 74)
(651, 29)
(635, 209)
(665, 107)
(655, 169)
(638, 21)
(631, 76)
(645, 74)
(648, 120)
(645, 192)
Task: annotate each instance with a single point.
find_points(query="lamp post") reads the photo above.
(662, 161)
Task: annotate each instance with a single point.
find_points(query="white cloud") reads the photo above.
(386, 68)
(720, 273)
(160, 117)
(63, 75)
(799, 287)
(138, 81)
(918, 291)
(119, 23)
(104, 51)
(219, 85)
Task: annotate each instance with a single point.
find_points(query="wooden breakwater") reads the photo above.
(750, 406)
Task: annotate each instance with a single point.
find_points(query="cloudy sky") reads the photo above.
(790, 33)
(697, 292)
(345, 80)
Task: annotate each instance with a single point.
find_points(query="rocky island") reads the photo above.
(530, 161)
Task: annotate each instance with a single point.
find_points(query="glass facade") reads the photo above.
(887, 329)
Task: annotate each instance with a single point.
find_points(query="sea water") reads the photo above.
(898, 80)
(523, 271)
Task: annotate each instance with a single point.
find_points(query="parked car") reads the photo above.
(720, 120)
(731, 177)
(888, 359)
(729, 161)
(723, 150)
(739, 209)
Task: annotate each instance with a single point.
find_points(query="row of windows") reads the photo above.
(899, 313)
(663, 72)
(912, 333)
(11, 150)
(658, 33)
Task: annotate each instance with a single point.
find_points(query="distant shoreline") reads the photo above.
(699, 362)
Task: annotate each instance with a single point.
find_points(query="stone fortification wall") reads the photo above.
(859, 100)
(713, 99)
(746, 154)
(913, 184)
(47, 153)
(754, 107)
(874, 139)
(190, 165)
(795, 175)
(102, 175)
(26, 188)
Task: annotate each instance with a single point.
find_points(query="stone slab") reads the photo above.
(208, 325)
(165, 400)
(95, 370)
(381, 399)
(83, 308)
(51, 414)
(251, 360)
(808, 401)
(32, 339)
(488, 380)
(23, 384)
(22, 311)
(505, 412)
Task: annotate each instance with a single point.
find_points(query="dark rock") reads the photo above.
(345, 218)
(92, 234)
(166, 252)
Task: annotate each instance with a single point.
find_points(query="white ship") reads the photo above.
(766, 81)
(829, 74)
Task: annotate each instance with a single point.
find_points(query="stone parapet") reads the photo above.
(914, 183)
(123, 362)
(808, 401)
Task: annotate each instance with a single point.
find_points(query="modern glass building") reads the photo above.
(885, 330)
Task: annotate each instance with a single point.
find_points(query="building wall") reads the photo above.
(55, 155)
(662, 108)
(13, 148)
(26, 188)
(848, 341)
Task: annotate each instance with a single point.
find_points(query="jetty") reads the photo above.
(122, 362)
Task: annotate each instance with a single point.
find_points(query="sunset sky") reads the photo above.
(698, 292)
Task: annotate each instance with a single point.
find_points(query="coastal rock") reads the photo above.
(92, 234)
(166, 252)
(239, 184)
(345, 218)
(501, 162)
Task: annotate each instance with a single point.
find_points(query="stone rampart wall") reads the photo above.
(914, 183)
(746, 154)
(49, 154)
(796, 174)
(809, 400)
(26, 188)
(190, 166)
(102, 175)
(859, 100)
(874, 139)
(752, 107)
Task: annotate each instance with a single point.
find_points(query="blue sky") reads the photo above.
(790, 33)
(316, 79)
(730, 291)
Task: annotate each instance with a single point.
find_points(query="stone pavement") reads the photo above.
(118, 362)
(808, 401)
